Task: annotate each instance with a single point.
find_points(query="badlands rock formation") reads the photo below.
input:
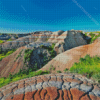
(68, 40)
(64, 60)
(16, 43)
(14, 62)
(69, 57)
(4, 37)
(52, 87)
(64, 86)
(12, 65)
(64, 40)
(8, 36)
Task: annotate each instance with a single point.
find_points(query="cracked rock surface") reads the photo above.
(60, 86)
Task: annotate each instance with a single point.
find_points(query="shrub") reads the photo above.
(58, 71)
(90, 66)
(93, 37)
(65, 70)
(53, 68)
(27, 55)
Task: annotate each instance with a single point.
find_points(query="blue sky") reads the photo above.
(22, 16)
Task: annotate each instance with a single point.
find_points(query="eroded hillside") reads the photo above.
(42, 46)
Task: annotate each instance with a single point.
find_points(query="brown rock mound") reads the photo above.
(10, 64)
(52, 87)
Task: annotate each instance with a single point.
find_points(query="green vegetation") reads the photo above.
(9, 39)
(21, 75)
(50, 49)
(6, 53)
(27, 55)
(65, 70)
(88, 66)
(1, 41)
(53, 68)
(93, 36)
(19, 55)
(58, 71)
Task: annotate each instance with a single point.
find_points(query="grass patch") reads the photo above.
(9, 39)
(21, 75)
(58, 71)
(6, 53)
(1, 41)
(89, 66)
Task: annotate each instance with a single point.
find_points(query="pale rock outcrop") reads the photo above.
(68, 40)
(55, 35)
(16, 43)
(44, 37)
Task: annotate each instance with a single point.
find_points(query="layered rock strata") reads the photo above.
(52, 87)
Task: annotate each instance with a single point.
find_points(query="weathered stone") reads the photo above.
(51, 90)
(66, 85)
(76, 94)
(39, 86)
(85, 88)
(19, 91)
(28, 89)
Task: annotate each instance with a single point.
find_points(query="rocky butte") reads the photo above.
(43, 50)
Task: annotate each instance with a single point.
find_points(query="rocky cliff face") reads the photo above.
(69, 57)
(64, 40)
(68, 40)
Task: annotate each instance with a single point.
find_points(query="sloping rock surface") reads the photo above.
(52, 87)
(69, 57)
(12, 64)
